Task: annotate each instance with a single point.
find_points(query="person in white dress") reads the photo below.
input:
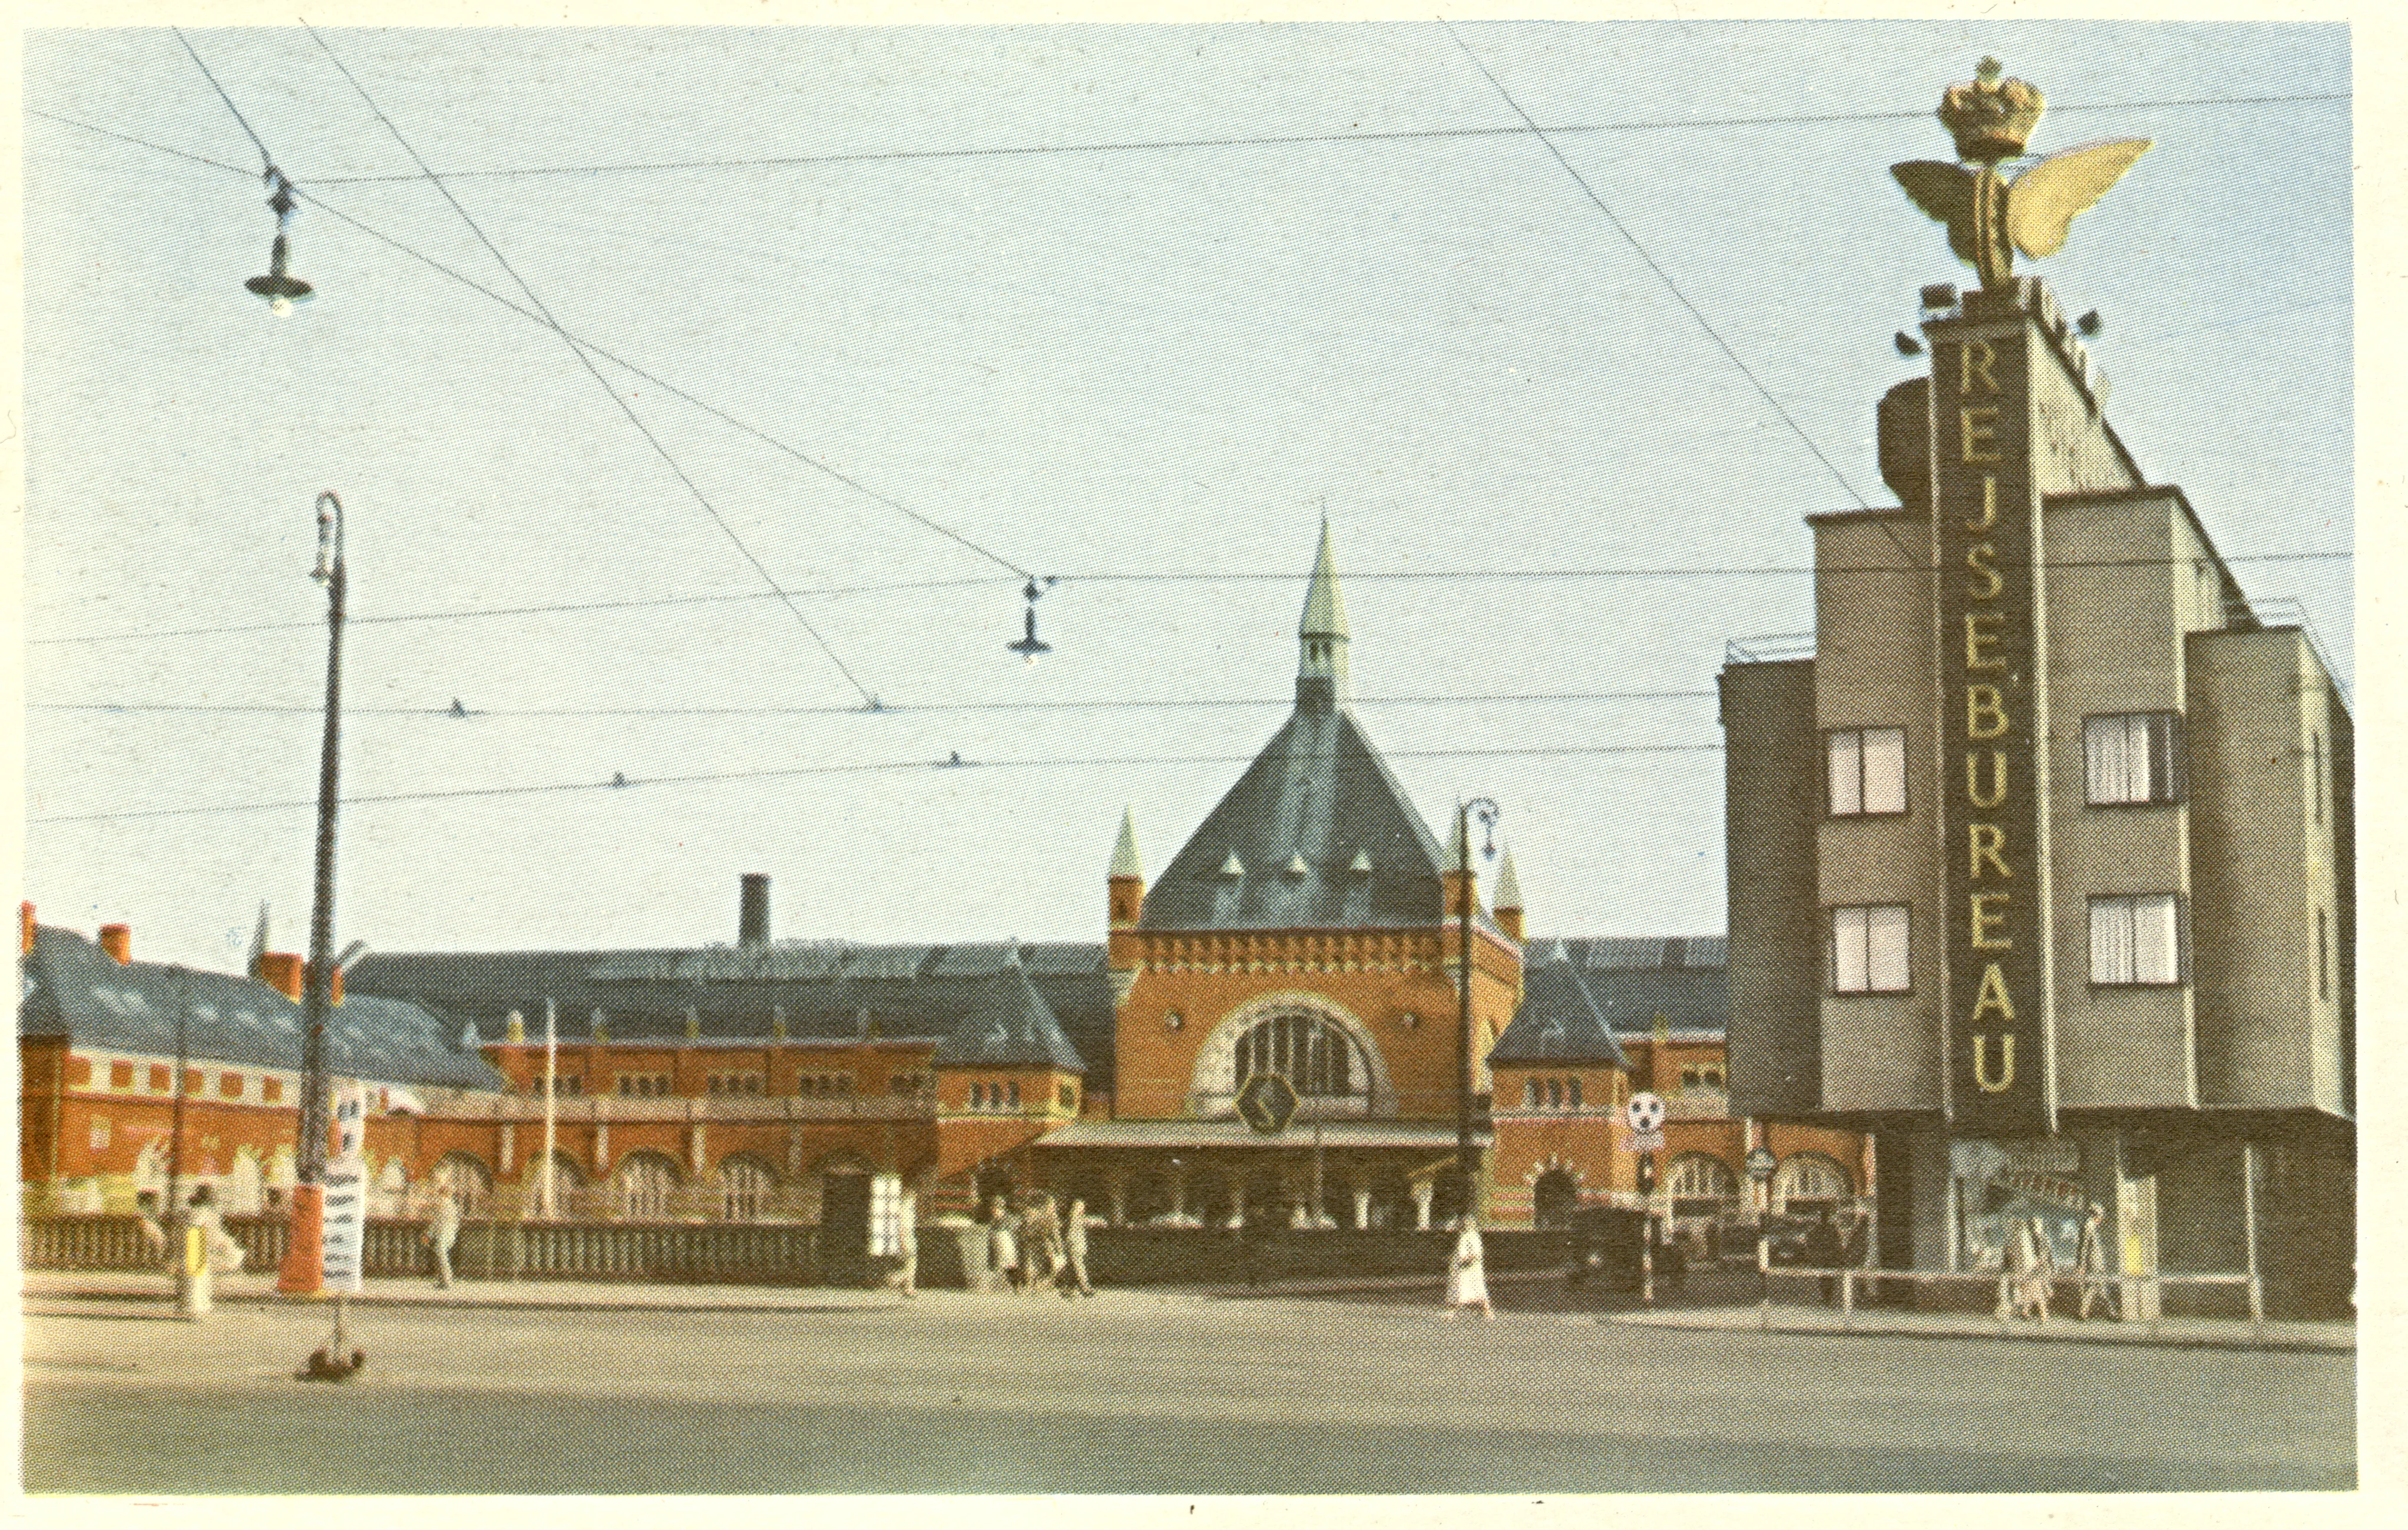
(1466, 1276)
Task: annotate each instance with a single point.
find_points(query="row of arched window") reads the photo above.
(1003, 1096)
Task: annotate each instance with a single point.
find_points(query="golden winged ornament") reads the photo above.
(1990, 217)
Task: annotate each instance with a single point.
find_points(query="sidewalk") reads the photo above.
(2185, 1333)
(519, 1295)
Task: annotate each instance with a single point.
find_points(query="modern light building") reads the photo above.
(2040, 862)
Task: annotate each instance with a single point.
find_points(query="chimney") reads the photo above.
(752, 920)
(118, 941)
(281, 971)
(25, 928)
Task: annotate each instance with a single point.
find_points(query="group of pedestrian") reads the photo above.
(1034, 1246)
(196, 1248)
(2032, 1270)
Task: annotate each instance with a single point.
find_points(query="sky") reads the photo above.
(1128, 308)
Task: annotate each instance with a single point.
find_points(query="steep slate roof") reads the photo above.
(826, 991)
(1319, 793)
(1634, 980)
(1010, 1026)
(1560, 1020)
(76, 989)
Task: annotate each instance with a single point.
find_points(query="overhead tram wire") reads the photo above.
(1450, 575)
(1017, 572)
(930, 708)
(1913, 562)
(883, 766)
(587, 362)
(266, 160)
(1281, 140)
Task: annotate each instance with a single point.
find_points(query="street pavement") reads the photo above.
(744, 1390)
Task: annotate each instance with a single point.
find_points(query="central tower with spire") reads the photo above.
(1304, 928)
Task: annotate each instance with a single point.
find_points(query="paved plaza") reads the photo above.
(718, 1390)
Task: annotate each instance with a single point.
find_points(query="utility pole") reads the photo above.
(551, 1100)
(175, 1127)
(302, 1274)
(1467, 1156)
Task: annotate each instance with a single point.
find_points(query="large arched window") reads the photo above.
(644, 1183)
(1809, 1184)
(1701, 1185)
(745, 1184)
(1308, 1051)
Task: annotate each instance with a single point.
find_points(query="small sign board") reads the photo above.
(1646, 1112)
(1643, 1142)
(1760, 1164)
(344, 1223)
(1266, 1102)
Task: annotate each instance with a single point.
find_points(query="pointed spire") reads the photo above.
(1321, 635)
(258, 941)
(1454, 854)
(1125, 860)
(1509, 886)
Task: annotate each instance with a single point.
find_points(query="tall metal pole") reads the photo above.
(309, 1164)
(551, 1101)
(1466, 1157)
(1463, 1150)
(175, 1130)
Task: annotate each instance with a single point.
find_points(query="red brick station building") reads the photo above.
(1303, 928)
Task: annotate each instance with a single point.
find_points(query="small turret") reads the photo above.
(1128, 878)
(1508, 899)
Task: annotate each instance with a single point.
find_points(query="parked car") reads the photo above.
(1606, 1249)
(1735, 1237)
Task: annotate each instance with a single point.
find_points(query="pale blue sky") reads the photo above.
(1147, 361)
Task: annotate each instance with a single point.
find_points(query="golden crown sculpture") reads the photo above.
(1989, 217)
(1991, 119)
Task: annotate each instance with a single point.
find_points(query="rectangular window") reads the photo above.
(271, 1090)
(2133, 756)
(1867, 770)
(1868, 950)
(162, 1077)
(2136, 940)
(120, 1076)
(230, 1085)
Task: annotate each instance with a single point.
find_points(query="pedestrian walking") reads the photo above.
(1074, 1253)
(907, 1245)
(2091, 1265)
(1007, 1245)
(1824, 1251)
(443, 1228)
(1467, 1275)
(198, 1232)
(2033, 1267)
(155, 1237)
(1040, 1242)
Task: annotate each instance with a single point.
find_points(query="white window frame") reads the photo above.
(2132, 759)
(1864, 772)
(2136, 940)
(1871, 949)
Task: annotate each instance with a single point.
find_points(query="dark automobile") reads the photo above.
(1606, 1249)
(1784, 1236)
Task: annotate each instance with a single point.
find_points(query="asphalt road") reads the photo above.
(1142, 1392)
